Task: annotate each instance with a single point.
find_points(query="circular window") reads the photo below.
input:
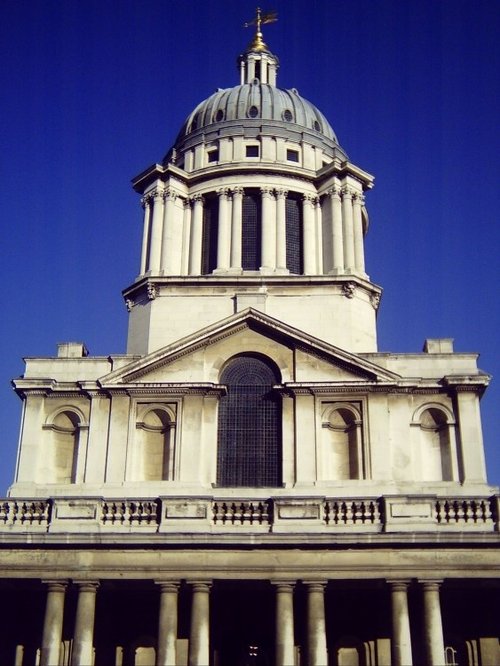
(219, 116)
(253, 112)
(287, 115)
(317, 126)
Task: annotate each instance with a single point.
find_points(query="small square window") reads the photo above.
(213, 155)
(252, 151)
(292, 155)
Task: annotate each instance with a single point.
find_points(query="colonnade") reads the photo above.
(199, 635)
(332, 231)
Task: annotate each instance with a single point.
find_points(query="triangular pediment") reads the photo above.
(303, 357)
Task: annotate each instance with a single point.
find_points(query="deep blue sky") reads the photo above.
(94, 91)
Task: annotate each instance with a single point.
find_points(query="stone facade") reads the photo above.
(253, 482)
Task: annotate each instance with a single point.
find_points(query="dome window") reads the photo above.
(317, 126)
(194, 125)
(292, 155)
(287, 115)
(253, 112)
(252, 151)
(219, 116)
(213, 155)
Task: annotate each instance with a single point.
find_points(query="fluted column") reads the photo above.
(309, 235)
(199, 646)
(281, 229)
(186, 235)
(167, 624)
(359, 252)
(83, 640)
(156, 231)
(347, 220)
(401, 637)
(146, 232)
(172, 236)
(316, 625)
(53, 623)
(196, 235)
(224, 235)
(237, 229)
(268, 259)
(433, 624)
(337, 233)
(285, 643)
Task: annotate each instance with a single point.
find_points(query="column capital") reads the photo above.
(347, 192)
(284, 585)
(87, 585)
(318, 584)
(158, 193)
(399, 583)
(168, 585)
(146, 200)
(200, 585)
(334, 191)
(187, 202)
(197, 198)
(310, 199)
(238, 191)
(430, 583)
(267, 192)
(358, 197)
(169, 193)
(281, 193)
(223, 192)
(55, 585)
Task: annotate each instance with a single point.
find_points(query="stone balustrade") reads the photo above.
(391, 513)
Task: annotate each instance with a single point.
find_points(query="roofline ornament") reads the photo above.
(258, 44)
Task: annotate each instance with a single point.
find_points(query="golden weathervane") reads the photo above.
(260, 20)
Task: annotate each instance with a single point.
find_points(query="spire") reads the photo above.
(257, 63)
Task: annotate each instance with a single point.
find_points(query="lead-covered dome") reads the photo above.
(257, 101)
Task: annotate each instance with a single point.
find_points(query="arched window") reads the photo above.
(249, 428)
(294, 243)
(251, 230)
(156, 446)
(435, 446)
(342, 444)
(64, 446)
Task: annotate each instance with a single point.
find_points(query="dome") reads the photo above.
(257, 101)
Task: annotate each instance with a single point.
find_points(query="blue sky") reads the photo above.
(94, 91)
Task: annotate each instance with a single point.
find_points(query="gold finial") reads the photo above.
(258, 44)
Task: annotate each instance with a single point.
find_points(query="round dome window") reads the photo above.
(287, 115)
(253, 112)
(317, 126)
(219, 116)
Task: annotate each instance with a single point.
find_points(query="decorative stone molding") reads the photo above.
(359, 198)
(169, 193)
(194, 198)
(267, 192)
(238, 191)
(312, 199)
(375, 300)
(348, 192)
(349, 289)
(146, 200)
(153, 291)
(334, 191)
(223, 192)
(281, 193)
(129, 304)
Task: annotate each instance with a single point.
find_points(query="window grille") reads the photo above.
(249, 429)
(294, 242)
(251, 231)
(209, 235)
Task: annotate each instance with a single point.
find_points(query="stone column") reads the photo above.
(268, 258)
(348, 232)
(224, 234)
(171, 237)
(83, 639)
(237, 228)
(53, 623)
(167, 625)
(196, 236)
(401, 638)
(433, 625)
(146, 232)
(316, 625)
(309, 235)
(156, 231)
(281, 229)
(186, 235)
(359, 253)
(199, 647)
(285, 642)
(337, 235)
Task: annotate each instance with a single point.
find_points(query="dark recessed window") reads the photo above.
(252, 151)
(292, 155)
(194, 125)
(213, 155)
(251, 230)
(249, 428)
(317, 126)
(219, 115)
(209, 234)
(253, 112)
(294, 235)
(288, 116)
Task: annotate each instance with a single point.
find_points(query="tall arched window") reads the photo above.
(209, 234)
(251, 231)
(156, 446)
(294, 244)
(249, 429)
(64, 449)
